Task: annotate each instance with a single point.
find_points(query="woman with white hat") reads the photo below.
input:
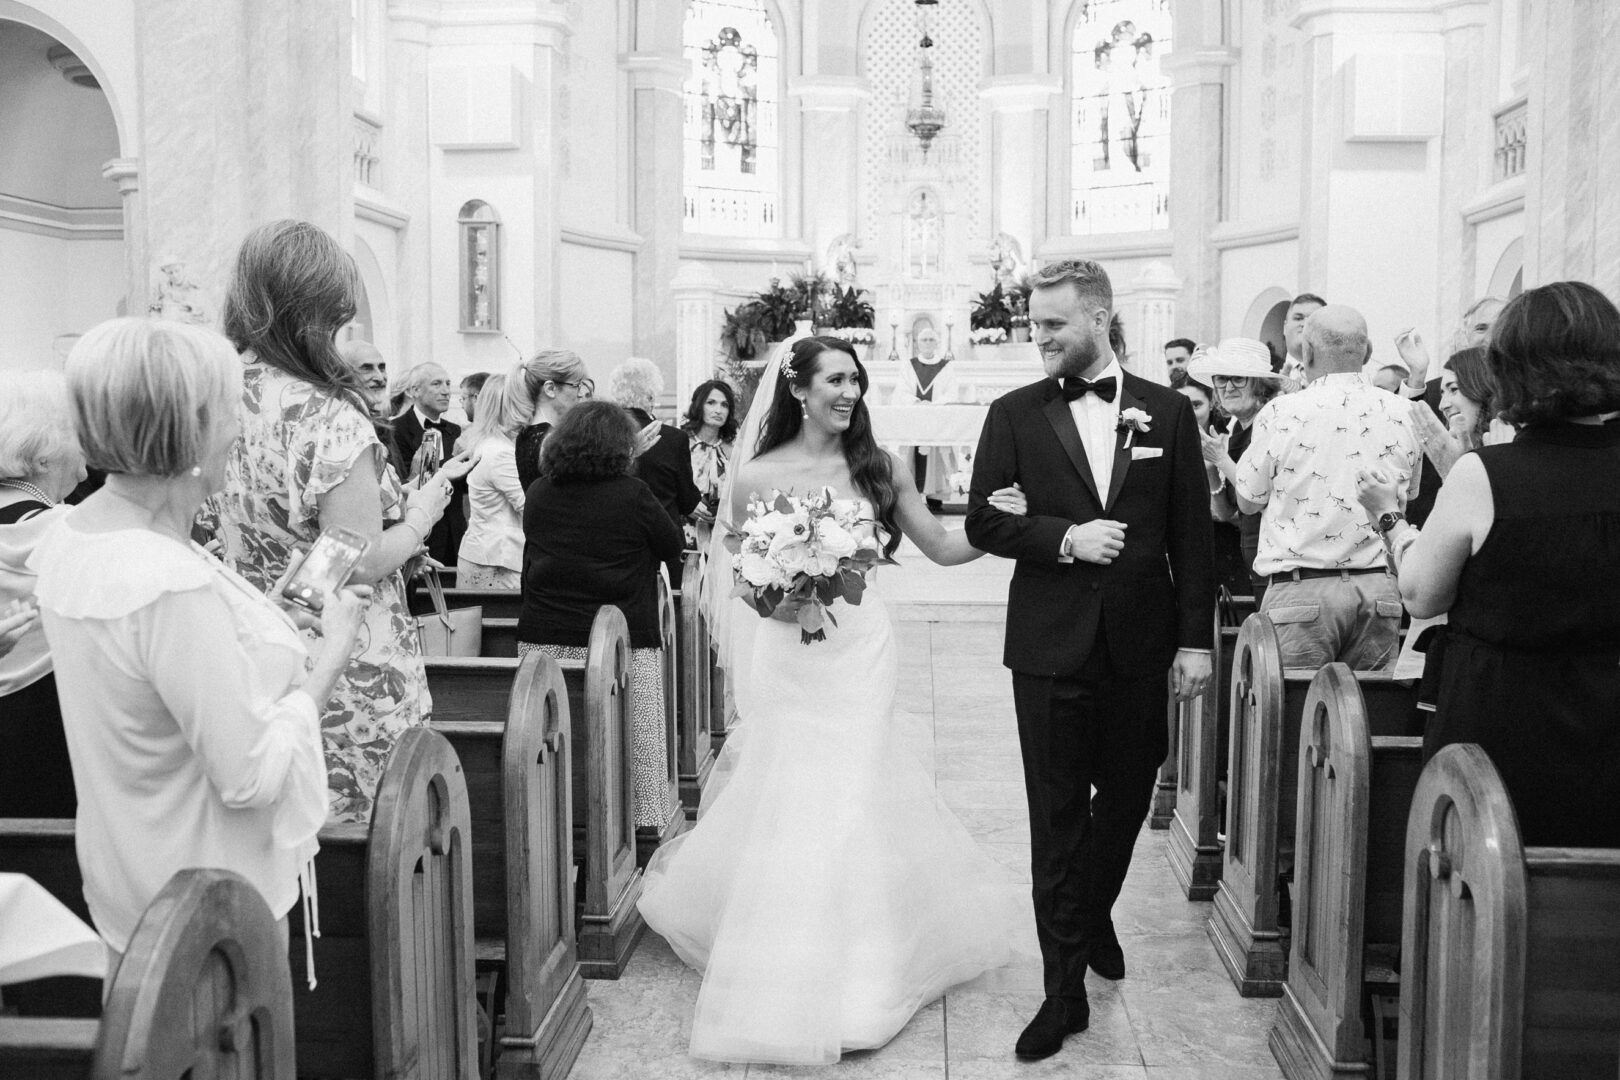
(1240, 371)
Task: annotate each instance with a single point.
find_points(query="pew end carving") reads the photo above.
(696, 705)
(1195, 824)
(649, 838)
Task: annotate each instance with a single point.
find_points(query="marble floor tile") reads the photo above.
(982, 794)
(959, 766)
(1014, 858)
(1060, 1065)
(997, 826)
(1198, 1021)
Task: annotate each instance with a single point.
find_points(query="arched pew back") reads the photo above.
(696, 656)
(1511, 954)
(519, 783)
(1355, 791)
(1195, 846)
(1268, 705)
(203, 990)
(395, 955)
(599, 697)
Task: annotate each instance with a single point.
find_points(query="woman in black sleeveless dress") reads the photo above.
(1523, 551)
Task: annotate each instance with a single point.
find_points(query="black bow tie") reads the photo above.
(1075, 388)
(437, 425)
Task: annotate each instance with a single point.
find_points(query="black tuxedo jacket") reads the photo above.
(666, 468)
(444, 543)
(1158, 594)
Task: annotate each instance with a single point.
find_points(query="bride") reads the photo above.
(826, 894)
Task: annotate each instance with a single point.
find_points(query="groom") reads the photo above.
(1114, 587)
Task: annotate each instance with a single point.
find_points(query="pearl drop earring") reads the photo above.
(196, 470)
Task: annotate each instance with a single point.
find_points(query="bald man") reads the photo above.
(1328, 591)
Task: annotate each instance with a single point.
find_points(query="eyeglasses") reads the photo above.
(1236, 382)
(586, 387)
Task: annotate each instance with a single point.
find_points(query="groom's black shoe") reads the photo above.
(1058, 1018)
(1105, 957)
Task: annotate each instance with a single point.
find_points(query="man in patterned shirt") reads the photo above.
(1329, 592)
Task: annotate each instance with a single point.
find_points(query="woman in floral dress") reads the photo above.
(308, 459)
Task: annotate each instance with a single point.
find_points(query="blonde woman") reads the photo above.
(191, 703)
(542, 390)
(492, 550)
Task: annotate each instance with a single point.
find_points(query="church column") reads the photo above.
(126, 173)
(657, 80)
(410, 156)
(1465, 156)
(1198, 128)
(830, 135)
(1149, 310)
(1020, 108)
(695, 292)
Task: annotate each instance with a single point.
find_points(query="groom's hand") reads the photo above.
(1095, 541)
(1190, 673)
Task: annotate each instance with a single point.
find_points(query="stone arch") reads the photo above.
(375, 308)
(103, 49)
(1507, 280)
(1264, 319)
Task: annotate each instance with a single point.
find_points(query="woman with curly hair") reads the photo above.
(711, 427)
(1522, 551)
(594, 535)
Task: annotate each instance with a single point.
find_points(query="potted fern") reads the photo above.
(847, 314)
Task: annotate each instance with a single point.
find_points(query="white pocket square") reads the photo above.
(1140, 452)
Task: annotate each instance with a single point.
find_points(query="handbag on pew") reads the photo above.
(446, 632)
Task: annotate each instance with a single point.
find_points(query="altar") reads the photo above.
(953, 426)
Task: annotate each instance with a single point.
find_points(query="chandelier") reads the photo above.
(927, 119)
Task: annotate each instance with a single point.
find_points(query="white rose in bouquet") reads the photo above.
(756, 569)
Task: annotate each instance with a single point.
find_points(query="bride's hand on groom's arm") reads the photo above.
(1190, 674)
(1010, 500)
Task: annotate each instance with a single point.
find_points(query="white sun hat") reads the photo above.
(1234, 357)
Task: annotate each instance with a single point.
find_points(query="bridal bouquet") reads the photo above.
(803, 549)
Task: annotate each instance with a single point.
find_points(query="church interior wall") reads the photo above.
(1251, 276)
(52, 289)
(596, 316)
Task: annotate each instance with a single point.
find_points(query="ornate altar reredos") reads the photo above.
(924, 217)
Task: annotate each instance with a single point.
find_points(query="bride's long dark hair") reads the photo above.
(869, 464)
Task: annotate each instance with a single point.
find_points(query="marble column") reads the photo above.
(1020, 108)
(1572, 210)
(1466, 145)
(245, 111)
(657, 80)
(1198, 105)
(830, 133)
(407, 168)
(126, 173)
(1151, 314)
(695, 294)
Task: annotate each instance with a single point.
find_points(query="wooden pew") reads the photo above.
(695, 705)
(1195, 846)
(1228, 616)
(600, 699)
(500, 638)
(203, 990)
(519, 790)
(497, 603)
(395, 955)
(649, 838)
(1268, 705)
(1510, 954)
(1355, 793)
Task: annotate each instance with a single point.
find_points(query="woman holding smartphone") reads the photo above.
(309, 459)
(191, 704)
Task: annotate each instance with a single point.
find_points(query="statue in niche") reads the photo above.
(1006, 260)
(923, 234)
(841, 257)
(177, 296)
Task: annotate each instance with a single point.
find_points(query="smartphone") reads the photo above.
(326, 567)
(431, 455)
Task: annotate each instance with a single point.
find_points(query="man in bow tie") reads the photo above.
(427, 389)
(1114, 587)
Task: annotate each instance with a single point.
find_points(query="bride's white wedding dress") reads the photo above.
(826, 893)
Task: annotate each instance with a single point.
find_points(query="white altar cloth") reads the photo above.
(928, 425)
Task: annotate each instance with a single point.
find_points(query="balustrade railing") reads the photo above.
(1510, 139)
(367, 134)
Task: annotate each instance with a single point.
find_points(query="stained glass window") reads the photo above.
(480, 268)
(1120, 117)
(732, 167)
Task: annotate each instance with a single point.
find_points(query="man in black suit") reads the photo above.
(427, 389)
(665, 465)
(1114, 587)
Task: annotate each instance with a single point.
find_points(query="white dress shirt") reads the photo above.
(1098, 421)
(1301, 466)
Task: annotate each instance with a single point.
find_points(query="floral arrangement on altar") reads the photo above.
(990, 335)
(855, 335)
(962, 479)
(803, 549)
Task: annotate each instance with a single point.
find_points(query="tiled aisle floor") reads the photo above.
(1174, 1017)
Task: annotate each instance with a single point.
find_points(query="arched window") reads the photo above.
(733, 163)
(1120, 117)
(480, 268)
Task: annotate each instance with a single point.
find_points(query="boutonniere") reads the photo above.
(1131, 421)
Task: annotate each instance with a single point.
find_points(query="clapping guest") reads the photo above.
(1467, 404)
(665, 465)
(1240, 371)
(543, 390)
(711, 425)
(191, 704)
(492, 550)
(40, 462)
(308, 458)
(1230, 569)
(1522, 550)
(427, 388)
(595, 535)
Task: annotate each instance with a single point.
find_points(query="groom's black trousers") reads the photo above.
(1076, 733)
